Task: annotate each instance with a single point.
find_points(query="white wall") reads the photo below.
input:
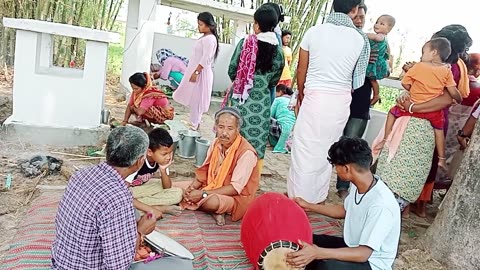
(44, 95)
(184, 47)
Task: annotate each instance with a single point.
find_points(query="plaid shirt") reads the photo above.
(95, 224)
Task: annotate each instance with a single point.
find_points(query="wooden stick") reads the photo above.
(70, 155)
(47, 187)
(85, 158)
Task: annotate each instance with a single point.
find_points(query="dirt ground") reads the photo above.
(15, 201)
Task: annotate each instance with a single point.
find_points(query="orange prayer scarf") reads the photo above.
(216, 181)
(464, 82)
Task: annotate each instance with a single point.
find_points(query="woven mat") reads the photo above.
(214, 247)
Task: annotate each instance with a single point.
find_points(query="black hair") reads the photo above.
(284, 89)
(266, 19)
(460, 41)
(345, 6)
(363, 6)
(286, 33)
(390, 19)
(351, 151)
(138, 79)
(207, 18)
(278, 10)
(159, 137)
(442, 46)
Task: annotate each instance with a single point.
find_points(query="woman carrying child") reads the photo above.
(426, 81)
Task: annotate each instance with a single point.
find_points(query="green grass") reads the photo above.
(115, 59)
(115, 52)
(388, 96)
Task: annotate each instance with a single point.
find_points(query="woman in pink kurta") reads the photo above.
(195, 90)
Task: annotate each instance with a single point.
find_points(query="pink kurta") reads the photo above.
(197, 95)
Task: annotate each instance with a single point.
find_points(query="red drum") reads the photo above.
(271, 228)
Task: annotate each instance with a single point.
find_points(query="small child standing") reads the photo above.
(425, 81)
(378, 66)
(150, 193)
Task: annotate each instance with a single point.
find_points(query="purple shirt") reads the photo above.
(95, 224)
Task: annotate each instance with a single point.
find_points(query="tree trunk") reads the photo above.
(454, 236)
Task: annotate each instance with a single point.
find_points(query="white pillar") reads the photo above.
(139, 36)
(240, 31)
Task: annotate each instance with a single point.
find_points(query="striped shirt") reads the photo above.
(95, 224)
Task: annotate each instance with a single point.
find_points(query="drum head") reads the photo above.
(275, 260)
(273, 256)
(168, 245)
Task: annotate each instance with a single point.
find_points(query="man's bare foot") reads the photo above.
(173, 210)
(219, 219)
(342, 194)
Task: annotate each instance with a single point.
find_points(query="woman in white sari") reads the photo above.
(333, 56)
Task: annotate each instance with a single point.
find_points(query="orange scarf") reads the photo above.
(138, 96)
(464, 82)
(216, 179)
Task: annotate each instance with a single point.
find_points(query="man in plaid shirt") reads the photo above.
(95, 225)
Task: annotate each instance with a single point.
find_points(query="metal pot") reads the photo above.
(186, 143)
(201, 149)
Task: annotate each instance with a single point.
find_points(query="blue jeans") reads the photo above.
(355, 128)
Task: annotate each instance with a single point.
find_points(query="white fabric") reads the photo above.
(333, 54)
(320, 123)
(374, 222)
(268, 37)
(476, 113)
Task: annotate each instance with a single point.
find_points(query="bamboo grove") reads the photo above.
(96, 14)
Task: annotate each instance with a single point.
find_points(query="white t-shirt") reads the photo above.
(333, 53)
(374, 222)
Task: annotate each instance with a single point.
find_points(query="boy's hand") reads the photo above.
(164, 167)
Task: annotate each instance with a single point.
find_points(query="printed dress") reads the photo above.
(377, 68)
(256, 109)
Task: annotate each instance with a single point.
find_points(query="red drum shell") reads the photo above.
(272, 217)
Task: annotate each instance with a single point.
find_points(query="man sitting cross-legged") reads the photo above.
(228, 179)
(372, 217)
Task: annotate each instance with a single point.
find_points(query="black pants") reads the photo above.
(355, 128)
(327, 241)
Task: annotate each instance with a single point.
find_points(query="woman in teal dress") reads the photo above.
(378, 67)
(283, 117)
(256, 67)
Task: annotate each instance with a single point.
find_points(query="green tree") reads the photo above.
(97, 14)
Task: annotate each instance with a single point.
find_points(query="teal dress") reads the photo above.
(256, 109)
(377, 68)
(286, 118)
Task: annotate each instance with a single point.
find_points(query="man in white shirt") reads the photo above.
(332, 60)
(372, 217)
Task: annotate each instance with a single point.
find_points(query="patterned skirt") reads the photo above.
(256, 118)
(407, 172)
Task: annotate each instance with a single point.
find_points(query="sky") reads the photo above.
(416, 21)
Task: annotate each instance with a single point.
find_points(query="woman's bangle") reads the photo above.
(410, 108)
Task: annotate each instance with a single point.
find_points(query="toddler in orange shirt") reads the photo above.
(425, 81)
